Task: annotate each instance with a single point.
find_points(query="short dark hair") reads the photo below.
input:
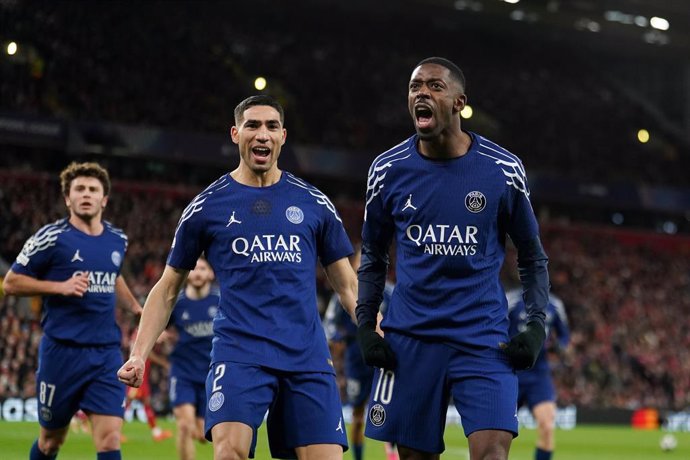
(455, 71)
(259, 99)
(87, 169)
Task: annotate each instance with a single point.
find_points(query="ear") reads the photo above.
(459, 103)
(235, 134)
(284, 136)
(104, 201)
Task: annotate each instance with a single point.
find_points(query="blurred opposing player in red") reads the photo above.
(143, 394)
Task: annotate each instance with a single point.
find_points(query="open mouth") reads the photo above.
(261, 151)
(423, 114)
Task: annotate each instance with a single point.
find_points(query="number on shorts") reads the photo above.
(46, 388)
(384, 387)
(220, 372)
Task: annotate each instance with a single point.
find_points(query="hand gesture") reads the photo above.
(132, 372)
(76, 286)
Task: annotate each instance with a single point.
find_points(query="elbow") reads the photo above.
(8, 287)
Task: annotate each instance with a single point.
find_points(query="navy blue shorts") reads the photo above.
(185, 391)
(408, 406)
(359, 377)
(304, 408)
(70, 378)
(534, 388)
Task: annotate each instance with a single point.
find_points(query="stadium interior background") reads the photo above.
(594, 96)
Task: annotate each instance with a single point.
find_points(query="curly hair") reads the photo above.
(88, 169)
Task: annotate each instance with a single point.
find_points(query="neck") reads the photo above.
(196, 293)
(246, 176)
(447, 145)
(93, 226)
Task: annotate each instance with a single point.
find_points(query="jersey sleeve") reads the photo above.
(188, 242)
(560, 323)
(35, 256)
(333, 242)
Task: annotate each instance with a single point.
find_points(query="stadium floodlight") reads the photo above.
(643, 136)
(12, 48)
(659, 23)
(466, 112)
(260, 83)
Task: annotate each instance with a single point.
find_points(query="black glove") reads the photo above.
(524, 348)
(375, 350)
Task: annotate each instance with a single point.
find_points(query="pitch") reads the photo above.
(584, 442)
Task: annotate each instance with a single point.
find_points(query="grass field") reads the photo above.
(584, 442)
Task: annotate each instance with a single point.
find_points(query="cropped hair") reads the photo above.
(260, 99)
(87, 169)
(455, 71)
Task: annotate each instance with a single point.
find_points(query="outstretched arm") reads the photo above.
(155, 317)
(124, 297)
(24, 285)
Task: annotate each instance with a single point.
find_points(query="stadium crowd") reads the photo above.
(185, 67)
(627, 294)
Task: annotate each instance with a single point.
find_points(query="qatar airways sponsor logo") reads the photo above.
(444, 240)
(200, 329)
(269, 248)
(99, 282)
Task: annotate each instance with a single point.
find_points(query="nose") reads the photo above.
(262, 135)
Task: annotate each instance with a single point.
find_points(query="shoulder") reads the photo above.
(504, 162)
(116, 231)
(494, 152)
(310, 193)
(214, 292)
(46, 237)
(392, 156)
(198, 202)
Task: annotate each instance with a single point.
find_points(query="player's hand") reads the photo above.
(76, 286)
(132, 372)
(375, 350)
(524, 348)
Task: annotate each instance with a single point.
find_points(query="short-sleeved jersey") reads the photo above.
(59, 251)
(193, 320)
(449, 219)
(556, 321)
(263, 244)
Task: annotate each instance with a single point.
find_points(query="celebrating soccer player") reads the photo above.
(75, 264)
(449, 198)
(263, 231)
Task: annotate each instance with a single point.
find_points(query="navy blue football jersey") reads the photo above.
(59, 251)
(449, 219)
(264, 244)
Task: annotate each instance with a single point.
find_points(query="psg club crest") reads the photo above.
(116, 257)
(377, 415)
(294, 215)
(216, 401)
(475, 202)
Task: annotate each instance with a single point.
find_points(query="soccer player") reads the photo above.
(535, 386)
(340, 328)
(263, 230)
(192, 318)
(75, 264)
(448, 198)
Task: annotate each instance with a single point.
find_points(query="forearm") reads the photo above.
(124, 297)
(372, 280)
(534, 276)
(156, 314)
(23, 285)
(344, 282)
